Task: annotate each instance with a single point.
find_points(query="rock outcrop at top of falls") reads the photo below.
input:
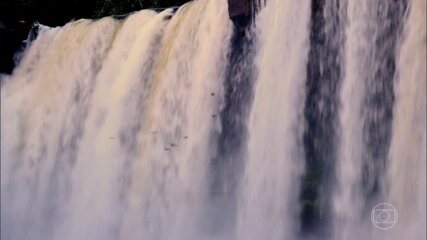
(240, 11)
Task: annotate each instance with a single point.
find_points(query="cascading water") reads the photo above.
(177, 125)
(406, 175)
(367, 98)
(268, 202)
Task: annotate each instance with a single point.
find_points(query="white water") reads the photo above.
(275, 155)
(407, 171)
(404, 183)
(88, 114)
(348, 203)
(109, 127)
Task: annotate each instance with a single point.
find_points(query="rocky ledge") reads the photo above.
(241, 12)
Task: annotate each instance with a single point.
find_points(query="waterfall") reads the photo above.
(406, 175)
(374, 111)
(178, 125)
(274, 161)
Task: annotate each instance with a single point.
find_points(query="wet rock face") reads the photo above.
(240, 12)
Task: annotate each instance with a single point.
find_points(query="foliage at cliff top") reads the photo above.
(56, 12)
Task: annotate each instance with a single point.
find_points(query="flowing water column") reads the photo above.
(109, 143)
(16, 196)
(268, 207)
(44, 106)
(227, 165)
(348, 200)
(407, 171)
(324, 75)
(169, 186)
(367, 97)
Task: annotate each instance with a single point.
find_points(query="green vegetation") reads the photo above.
(117, 7)
(57, 12)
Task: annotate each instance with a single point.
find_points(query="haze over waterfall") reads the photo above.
(178, 125)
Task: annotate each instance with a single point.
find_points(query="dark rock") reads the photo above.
(241, 12)
(12, 40)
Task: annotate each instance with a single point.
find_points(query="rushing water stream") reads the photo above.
(178, 126)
